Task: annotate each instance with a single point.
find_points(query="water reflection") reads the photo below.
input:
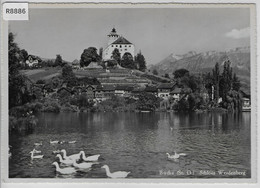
(138, 142)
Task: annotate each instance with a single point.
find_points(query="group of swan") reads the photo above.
(62, 142)
(90, 161)
(56, 142)
(71, 161)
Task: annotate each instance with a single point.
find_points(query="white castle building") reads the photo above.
(119, 42)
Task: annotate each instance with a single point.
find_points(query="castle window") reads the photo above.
(125, 49)
(116, 45)
(125, 45)
(112, 45)
(129, 45)
(120, 46)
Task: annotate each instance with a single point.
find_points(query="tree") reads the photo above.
(116, 56)
(140, 61)
(127, 61)
(89, 55)
(24, 55)
(166, 75)
(69, 76)
(18, 90)
(67, 72)
(180, 73)
(58, 61)
(235, 83)
(226, 80)
(147, 101)
(101, 52)
(155, 72)
(216, 80)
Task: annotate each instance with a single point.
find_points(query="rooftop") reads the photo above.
(166, 86)
(121, 40)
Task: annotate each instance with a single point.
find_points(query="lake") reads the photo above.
(138, 142)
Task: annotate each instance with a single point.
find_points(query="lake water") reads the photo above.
(138, 142)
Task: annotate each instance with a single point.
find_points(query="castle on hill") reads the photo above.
(119, 42)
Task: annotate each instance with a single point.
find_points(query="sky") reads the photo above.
(156, 32)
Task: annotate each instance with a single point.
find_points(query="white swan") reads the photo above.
(176, 155)
(65, 161)
(54, 142)
(119, 174)
(67, 170)
(36, 156)
(72, 157)
(38, 144)
(90, 158)
(72, 142)
(61, 142)
(82, 165)
(35, 151)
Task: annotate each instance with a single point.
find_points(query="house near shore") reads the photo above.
(151, 90)
(33, 61)
(104, 92)
(164, 90)
(119, 42)
(176, 93)
(123, 90)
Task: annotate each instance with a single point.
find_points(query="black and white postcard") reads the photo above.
(121, 92)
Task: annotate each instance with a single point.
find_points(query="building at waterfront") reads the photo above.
(119, 42)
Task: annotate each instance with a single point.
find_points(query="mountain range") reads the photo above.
(205, 62)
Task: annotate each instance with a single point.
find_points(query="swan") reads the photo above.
(56, 151)
(67, 170)
(176, 155)
(35, 151)
(38, 144)
(65, 161)
(36, 156)
(61, 142)
(54, 142)
(72, 157)
(171, 128)
(72, 142)
(90, 158)
(82, 165)
(119, 174)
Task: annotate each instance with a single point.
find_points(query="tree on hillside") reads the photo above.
(89, 55)
(166, 75)
(127, 61)
(100, 52)
(155, 72)
(58, 61)
(216, 80)
(24, 55)
(18, 92)
(69, 76)
(226, 80)
(180, 73)
(116, 56)
(236, 83)
(67, 72)
(140, 61)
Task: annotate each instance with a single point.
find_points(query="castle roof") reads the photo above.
(121, 40)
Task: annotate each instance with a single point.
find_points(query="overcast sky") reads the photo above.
(156, 32)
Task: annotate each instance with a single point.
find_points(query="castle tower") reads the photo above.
(112, 36)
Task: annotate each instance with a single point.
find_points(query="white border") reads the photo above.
(4, 112)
